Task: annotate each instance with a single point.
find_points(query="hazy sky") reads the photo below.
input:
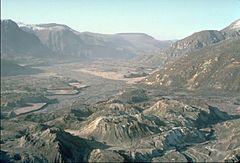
(163, 19)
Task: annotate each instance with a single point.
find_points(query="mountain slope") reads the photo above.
(195, 41)
(211, 68)
(67, 42)
(182, 47)
(144, 44)
(59, 38)
(233, 30)
(192, 43)
(18, 43)
(203, 39)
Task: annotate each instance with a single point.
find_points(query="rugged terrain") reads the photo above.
(209, 68)
(185, 109)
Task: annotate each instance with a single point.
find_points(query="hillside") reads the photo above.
(18, 43)
(192, 43)
(57, 40)
(65, 41)
(214, 68)
(195, 41)
(233, 30)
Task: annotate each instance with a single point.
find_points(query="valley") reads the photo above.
(69, 81)
(131, 122)
(179, 103)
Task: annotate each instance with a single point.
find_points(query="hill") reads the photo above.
(214, 68)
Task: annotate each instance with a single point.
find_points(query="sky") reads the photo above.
(162, 19)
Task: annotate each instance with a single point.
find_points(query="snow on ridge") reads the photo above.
(235, 25)
(38, 27)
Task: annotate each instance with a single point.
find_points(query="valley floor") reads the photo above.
(93, 112)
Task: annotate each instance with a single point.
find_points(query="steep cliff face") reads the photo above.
(18, 43)
(61, 39)
(67, 42)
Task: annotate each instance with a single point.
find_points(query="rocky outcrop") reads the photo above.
(171, 156)
(131, 96)
(98, 155)
(114, 125)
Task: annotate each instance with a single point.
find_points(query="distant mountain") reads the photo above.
(233, 30)
(18, 43)
(58, 40)
(214, 67)
(61, 39)
(195, 41)
(180, 48)
(65, 41)
(192, 43)
(143, 43)
(202, 39)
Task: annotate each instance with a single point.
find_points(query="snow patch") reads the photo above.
(39, 27)
(235, 25)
